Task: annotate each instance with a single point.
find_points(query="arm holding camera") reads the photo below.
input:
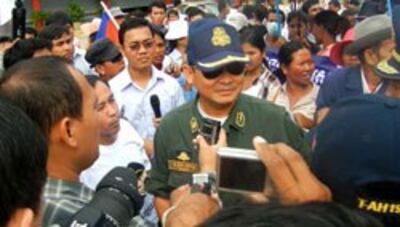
(293, 181)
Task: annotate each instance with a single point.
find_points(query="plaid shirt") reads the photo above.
(62, 199)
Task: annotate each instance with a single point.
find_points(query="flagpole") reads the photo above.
(105, 8)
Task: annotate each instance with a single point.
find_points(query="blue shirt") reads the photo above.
(340, 84)
(135, 101)
(81, 63)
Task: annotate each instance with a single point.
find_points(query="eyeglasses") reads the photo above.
(147, 44)
(235, 68)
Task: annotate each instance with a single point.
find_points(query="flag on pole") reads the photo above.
(6, 11)
(108, 26)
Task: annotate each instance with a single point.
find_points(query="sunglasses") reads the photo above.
(235, 68)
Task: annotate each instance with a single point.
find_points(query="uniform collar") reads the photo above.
(236, 119)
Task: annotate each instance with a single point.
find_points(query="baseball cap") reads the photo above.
(177, 29)
(101, 51)
(357, 156)
(213, 44)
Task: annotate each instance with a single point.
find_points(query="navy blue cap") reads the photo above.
(357, 155)
(213, 44)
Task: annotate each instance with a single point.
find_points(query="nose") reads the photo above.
(112, 110)
(225, 78)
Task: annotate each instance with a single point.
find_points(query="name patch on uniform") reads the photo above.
(183, 166)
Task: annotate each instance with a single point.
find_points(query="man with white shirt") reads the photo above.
(134, 86)
(373, 43)
(120, 144)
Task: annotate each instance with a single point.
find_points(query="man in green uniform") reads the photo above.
(215, 66)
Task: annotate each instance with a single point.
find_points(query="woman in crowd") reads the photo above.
(177, 38)
(298, 94)
(258, 79)
(298, 30)
(327, 26)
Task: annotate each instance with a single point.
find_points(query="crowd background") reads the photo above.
(312, 86)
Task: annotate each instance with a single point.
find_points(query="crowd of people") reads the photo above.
(312, 87)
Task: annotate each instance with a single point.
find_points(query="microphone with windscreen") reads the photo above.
(155, 105)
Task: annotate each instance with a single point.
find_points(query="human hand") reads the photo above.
(208, 153)
(156, 122)
(293, 180)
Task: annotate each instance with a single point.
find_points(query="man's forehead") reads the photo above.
(138, 34)
(63, 38)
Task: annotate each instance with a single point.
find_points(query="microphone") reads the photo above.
(155, 104)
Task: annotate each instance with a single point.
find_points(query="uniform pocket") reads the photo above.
(177, 179)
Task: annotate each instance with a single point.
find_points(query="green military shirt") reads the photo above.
(176, 157)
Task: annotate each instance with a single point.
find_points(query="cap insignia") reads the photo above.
(220, 37)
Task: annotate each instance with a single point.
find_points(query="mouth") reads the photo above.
(115, 126)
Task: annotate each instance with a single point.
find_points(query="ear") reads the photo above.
(284, 69)
(67, 131)
(99, 69)
(121, 49)
(188, 72)
(22, 217)
(370, 57)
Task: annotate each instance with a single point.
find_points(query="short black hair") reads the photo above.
(299, 15)
(249, 11)
(332, 22)
(24, 49)
(93, 80)
(254, 35)
(138, 14)
(132, 23)
(194, 11)
(157, 31)
(53, 32)
(260, 13)
(308, 4)
(285, 54)
(173, 11)
(23, 157)
(30, 30)
(5, 39)
(335, 3)
(177, 2)
(157, 4)
(59, 18)
(316, 214)
(44, 89)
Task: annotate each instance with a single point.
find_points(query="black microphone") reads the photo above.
(155, 104)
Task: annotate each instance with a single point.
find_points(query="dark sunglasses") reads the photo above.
(235, 68)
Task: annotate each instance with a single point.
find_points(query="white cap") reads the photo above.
(177, 29)
(237, 20)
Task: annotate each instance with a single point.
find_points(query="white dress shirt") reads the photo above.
(135, 101)
(126, 149)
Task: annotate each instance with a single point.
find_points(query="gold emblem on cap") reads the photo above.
(240, 119)
(183, 156)
(220, 38)
(194, 126)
